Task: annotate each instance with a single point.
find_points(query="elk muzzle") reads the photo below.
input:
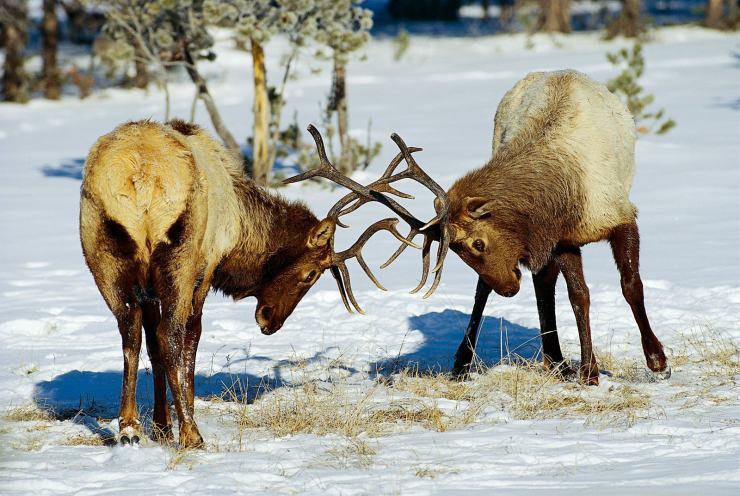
(265, 317)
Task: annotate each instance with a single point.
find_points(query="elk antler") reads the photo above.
(436, 229)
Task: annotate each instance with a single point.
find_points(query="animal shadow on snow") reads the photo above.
(84, 397)
(71, 168)
(498, 340)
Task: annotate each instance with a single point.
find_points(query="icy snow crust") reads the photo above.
(61, 349)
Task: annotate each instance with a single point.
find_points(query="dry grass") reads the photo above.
(86, 440)
(335, 409)
(715, 354)
(179, 456)
(31, 443)
(27, 413)
(351, 453)
(426, 473)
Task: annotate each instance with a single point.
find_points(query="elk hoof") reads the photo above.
(562, 370)
(664, 374)
(460, 372)
(124, 440)
(190, 437)
(590, 376)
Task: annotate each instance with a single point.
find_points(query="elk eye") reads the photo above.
(309, 278)
(479, 245)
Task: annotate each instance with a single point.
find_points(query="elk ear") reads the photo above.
(478, 206)
(322, 233)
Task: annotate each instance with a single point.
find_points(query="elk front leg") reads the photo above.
(571, 265)
(466, 350)
(625, 241)
(129, 325)
(162, 428)
(544, 290)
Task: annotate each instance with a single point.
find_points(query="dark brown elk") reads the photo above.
(559, 178)
(165, 216)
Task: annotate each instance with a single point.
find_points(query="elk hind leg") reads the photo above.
(625, 241)
(162, 422)
(110, 254)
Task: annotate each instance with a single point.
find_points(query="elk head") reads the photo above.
(485, 243)
(295, 273)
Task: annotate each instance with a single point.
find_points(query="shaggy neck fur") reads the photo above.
(273, 234)
(536, 199)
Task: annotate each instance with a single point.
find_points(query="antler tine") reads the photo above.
(340, 284)
(327, 170)
(355, 251)
(378, 186)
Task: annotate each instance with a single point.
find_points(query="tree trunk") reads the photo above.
(631, 14)
(15, 78)
(261, 114)
(555, 16)
(141, 76)
(338, 103)
(51, 79)
(714, 14)
(207, 99)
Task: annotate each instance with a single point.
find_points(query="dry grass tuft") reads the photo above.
(27, 413)
(87, 440)
(716, 354)
(353, 453)
(179, 456)
(335, 409)
(31, 443)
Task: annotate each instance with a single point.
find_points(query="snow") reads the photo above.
(61, 349)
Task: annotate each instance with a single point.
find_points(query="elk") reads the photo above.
(559, 178)
(166, 215)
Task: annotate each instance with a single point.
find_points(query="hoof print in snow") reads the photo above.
(645, 375)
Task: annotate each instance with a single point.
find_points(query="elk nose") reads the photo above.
(263, 316)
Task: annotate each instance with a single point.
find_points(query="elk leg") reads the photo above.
(466, 350)
(129, 325)
(162, 429)
(194, 329)
(171, 338)
(571, 265)
(176, 292)
(544, 290)
(625, 241)
(192, 337)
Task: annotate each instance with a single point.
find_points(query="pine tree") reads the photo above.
(344, 28)
(627, 88)
(15, 80)
(51, 78)
(555, 16)
(629, 23)
(163, 34)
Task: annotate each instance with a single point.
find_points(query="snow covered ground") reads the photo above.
(61, 350)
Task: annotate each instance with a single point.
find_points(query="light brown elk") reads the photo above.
(166, 215)
(559, 178)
